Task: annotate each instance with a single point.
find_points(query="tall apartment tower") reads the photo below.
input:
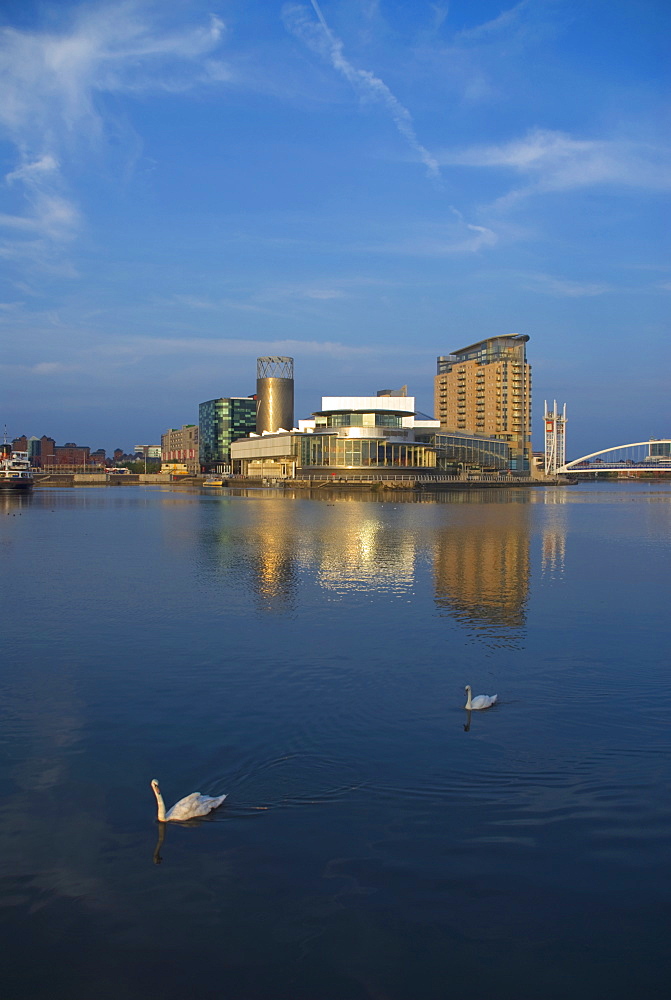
(274, 394)
(485, 388)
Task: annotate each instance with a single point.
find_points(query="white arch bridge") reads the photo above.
(641, 456)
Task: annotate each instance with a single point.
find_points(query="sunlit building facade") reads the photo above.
(485, 389)
(220, 422)
(381, 434)
(179, 446)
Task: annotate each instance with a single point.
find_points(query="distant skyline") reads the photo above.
(362, 185)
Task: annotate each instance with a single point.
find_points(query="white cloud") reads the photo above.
(232, 347)
(50, 80)
(52, 83)
(503, 22)
(555, 161)
(320, 38)
(53, 368)
(46, 164)
(459, 237)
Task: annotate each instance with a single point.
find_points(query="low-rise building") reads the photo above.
(71, 455)
(381, 434)
(147, 451)
(179, 447)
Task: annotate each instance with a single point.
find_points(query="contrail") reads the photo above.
(378, 89)
(321, 17)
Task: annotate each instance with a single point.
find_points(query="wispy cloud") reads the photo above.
(502, 23)
(449, 239)
(555, 161)
(52, 84)
(546, 284)
(318, 36)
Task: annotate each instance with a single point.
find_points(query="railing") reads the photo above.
(619, 467)
(325, 479)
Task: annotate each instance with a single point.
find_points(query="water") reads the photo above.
(308, 657)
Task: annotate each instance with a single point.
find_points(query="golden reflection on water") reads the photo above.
(362, 553)
(482, 567)
(478, 553)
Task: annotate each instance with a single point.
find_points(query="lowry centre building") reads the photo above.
(382, 434)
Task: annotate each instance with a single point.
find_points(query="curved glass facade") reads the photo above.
(328, 450)
(466, 450)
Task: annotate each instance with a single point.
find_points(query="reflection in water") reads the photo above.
(14, 502)
(393, 847)
(273, 561)
(157, 857)
(479, 551)
(361, 552)
(482, 568)
(553, 550)
(261, 548)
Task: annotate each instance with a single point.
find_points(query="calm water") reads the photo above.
(308, 657)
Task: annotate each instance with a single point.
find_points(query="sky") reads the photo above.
(362, 185)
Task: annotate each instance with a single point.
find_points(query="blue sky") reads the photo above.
(360, 184)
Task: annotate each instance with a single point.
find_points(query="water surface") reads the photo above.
(308, 657)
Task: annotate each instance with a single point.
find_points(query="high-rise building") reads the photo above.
(485, 388)
(221, 421)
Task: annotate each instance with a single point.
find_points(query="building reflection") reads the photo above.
(553, 539)
(361, 551)
(482, 569)
(256, 548)
(14, 502)
(274, 575)
(479, 550)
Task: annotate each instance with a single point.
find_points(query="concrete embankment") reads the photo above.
(410, 483)
(376, 484)
(97, 479)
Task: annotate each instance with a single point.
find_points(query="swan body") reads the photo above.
(480, 700)
(190, 807)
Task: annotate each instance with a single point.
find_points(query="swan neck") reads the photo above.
(468, 699)
(161, 805)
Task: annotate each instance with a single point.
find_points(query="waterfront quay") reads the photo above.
(465, 481)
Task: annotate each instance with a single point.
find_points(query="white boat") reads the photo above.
(15, 470)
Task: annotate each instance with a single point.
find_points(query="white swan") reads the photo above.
(480, 700)
(190, 807)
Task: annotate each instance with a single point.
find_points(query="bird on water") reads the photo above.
(480, 700)
(190, 807)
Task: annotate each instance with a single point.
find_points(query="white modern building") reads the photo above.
(383, 434)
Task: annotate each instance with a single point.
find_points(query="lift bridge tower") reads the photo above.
(555, 439)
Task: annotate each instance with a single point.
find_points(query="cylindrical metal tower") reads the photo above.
(274, 394)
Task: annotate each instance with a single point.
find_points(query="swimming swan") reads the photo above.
(190, 807)
(480, 700)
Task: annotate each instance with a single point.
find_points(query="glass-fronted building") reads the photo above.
(220, 422)
(457, 452)
(366, 435)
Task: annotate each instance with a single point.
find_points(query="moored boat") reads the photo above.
(216, 481)
(15, 471)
